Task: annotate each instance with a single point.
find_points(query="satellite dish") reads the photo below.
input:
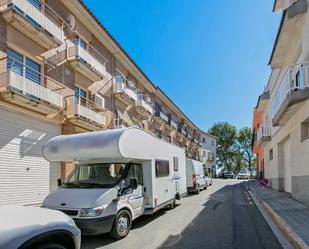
(71, 21)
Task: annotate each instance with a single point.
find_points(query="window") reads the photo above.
(271, 154)
(33, 71)
(304, 130)
(204, 153)
(175, 161)
(78, 92)
(136, 172)
(15, 62)
(204, 140)
(300, 78)
(213, 143)
(162, 168)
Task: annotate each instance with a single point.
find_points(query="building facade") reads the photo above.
(209, 152)
(285, 105)
(61, 72)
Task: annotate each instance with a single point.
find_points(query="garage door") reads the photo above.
(286, 161)
(25, 176)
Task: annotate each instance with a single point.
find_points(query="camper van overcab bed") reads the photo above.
(119, 175)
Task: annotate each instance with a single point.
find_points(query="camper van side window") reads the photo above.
(162, 168)
(175, 160)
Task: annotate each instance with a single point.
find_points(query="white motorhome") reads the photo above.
(196, 179)
(120, 175)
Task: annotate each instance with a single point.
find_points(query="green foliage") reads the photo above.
(234, 147)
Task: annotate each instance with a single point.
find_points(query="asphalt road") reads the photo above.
(221, 217)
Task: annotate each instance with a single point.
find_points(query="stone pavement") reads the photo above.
(292, 212)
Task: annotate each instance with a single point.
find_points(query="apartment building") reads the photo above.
(284, 104)
(261, 135)
(209, 152)
(62, 72)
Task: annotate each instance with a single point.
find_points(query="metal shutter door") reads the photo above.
(25, 176)
(287, 166)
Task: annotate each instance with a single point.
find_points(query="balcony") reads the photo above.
(34, 19)
(143, 106)
(264, 134)
(174, 124)
(25, 87)
(123, 92)
(183, 131)
(293, 89)
(86, 60)
(263, 101)
(86, 113)
(161, 117)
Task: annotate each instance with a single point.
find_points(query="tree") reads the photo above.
(244, 139)
(227, 135)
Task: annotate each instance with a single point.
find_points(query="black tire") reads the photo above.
(122, 225)
(49, 245)
(205, 187)
(172, 205)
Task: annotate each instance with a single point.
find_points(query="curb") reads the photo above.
(295, 240)
(291, 235)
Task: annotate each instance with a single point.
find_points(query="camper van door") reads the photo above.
(135, 193)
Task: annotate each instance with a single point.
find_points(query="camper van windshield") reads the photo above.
(99, 175)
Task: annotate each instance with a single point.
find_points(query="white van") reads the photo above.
(120, 175)
(196, 179)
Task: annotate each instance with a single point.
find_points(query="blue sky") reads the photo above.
(210, 57)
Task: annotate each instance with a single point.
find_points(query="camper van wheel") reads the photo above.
(205, 187)
(173, 204)
(122, 225)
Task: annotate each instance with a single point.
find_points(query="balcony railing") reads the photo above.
(121, 87)
(89, 55)
(295, 79)
(184, 131)
(88, 109)
(264, 133)
(32, 84)
(174, 124)
(160, 114)
(142, 101)
(39, 14)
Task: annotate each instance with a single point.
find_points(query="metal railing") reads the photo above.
(295, 79)
(184, 131)
(32, 84)
(89, 109)
(174, 124)
(263, 132)
(142, 101)
(88, 54)
(39, 14)
(163, 116)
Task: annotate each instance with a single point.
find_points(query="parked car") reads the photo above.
(35, 228)
(243, 174)
(124, 174)
(196, 179)
(228, 175)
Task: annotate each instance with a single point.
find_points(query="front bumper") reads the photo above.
(95, 226)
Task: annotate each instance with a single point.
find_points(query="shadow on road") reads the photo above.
(229, 220)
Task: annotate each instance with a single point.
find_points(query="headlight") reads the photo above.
(91, 212)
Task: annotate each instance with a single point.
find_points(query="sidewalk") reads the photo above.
(289, 215)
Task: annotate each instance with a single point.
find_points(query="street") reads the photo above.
(223, 216)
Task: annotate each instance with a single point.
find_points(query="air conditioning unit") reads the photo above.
(99, 100)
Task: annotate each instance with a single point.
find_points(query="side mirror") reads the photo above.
(59, 182)
(133, 183)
